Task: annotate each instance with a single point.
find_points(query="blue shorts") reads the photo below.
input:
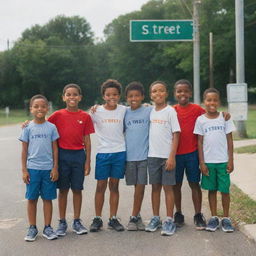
(40, 185)
(71, 169)
(188, 163)
(110, 165)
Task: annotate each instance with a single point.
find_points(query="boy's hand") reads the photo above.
(226, 116)
(87, 169)
(204, 169)
(25, 176)
(93, 109)
(170, 164)
(54, 174)
(25, 124)
(230, 166)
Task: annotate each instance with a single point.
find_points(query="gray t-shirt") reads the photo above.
(39, 138)
(136, 124)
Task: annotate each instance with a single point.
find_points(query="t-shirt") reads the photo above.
(215, 140)
(109, 127)
(187, 118)
(136, 124)
(163, 123)
(39, 138)
(72, 127)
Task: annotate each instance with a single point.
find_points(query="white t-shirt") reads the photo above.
(109, 127)
(215, 141)
(163, 123)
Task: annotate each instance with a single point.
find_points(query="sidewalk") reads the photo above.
(244, 177)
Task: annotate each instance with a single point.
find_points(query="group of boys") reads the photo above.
(136, 142)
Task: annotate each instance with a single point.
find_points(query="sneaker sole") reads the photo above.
(95, 230)
(164, 233)
(81, 232)
(227, 230)
(30, 239)
(50, 238)
(118, 230)
(63, 234)
(152, 230)
(211, 229)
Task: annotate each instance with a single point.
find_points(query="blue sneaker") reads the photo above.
(213, 224)
(79, 228)
(168, 228)
(32, 233)
(62, 228)
(154, 224)
(49, 233)
(226, 225)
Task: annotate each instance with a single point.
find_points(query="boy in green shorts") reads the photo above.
(215, 148)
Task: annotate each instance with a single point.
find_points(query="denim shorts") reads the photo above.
(40, 185)
(188, 163)
(71, 169)
(136, 172)
(110, 165)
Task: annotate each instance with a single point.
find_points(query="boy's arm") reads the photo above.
(202, 164)
(24, 155)
(230, 166)
(87, 145)
(171, 162)
(54, 173)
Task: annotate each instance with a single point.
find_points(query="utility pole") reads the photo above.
(240, 78)
(196, 52)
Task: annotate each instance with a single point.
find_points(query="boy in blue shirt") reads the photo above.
(136, 122)
(39, 165)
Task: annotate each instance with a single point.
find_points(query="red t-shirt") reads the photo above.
(72, 127)
(187, 118)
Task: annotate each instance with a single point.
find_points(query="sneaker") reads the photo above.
(140, 224)
(32, 233)
(49, 233)
(96, 225)
(226, 225)
(115, 224)
(78, 227)
(154, 224)
(199, 221)
(168, 228)
(213, 224)
(132, 225)
(179, 219)
(62, 228)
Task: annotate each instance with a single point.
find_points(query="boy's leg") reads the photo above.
(31, 211)
(47, 208)
(196, 196)
(62, 202)
(177, 196)
(155, 198)
(169, 200)
(138, 198)
(225, 203)
(114, 196)
(212, 197)
(77, 203)
(99, 196)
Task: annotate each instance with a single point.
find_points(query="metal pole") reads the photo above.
(196, 52)
(211, 60)
(240, 78)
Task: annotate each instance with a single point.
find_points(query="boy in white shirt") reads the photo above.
(111, 155)
(163, 142)
(215, 148)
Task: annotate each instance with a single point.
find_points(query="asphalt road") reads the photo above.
(13, 221)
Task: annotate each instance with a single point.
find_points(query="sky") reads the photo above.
(18, 15)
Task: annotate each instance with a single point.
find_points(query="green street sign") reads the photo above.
(161, 30)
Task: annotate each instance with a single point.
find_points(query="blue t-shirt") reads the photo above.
(136, 124)
(39, 138)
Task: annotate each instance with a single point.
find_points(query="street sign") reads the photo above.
(161, 30)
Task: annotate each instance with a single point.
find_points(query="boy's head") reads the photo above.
(211, 98)
(134, 93)
(72, 95)
(158, 92)
(183, 91)
(39, 106)
(111, 93)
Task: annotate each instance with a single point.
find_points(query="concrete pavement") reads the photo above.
(244, 177)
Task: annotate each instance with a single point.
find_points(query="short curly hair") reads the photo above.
(111, 83)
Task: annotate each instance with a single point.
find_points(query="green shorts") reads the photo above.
(218, 178)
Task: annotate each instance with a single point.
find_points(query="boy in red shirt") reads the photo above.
(187, 154)
(74, 127)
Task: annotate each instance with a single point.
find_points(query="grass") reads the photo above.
(15, 116)
(247, 149)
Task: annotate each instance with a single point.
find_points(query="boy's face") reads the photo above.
(111, 97)
(39, 108)
(211, 102)
(182, 94)
(134, 98)
(72, 98)
(158, 94)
